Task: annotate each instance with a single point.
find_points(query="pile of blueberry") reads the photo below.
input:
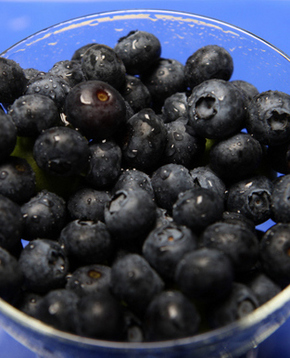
(131, 191)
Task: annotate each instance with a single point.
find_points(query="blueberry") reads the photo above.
(166, 245)
(59, 309)
(96, 108)
(216, 109)
(100, 317)
(183, 145)
(174, 107)
(247, 88)
(138, 51)
(87, 280)
(280, 199)
(27, 302)
(86, 242)
(239, 219)
(205, 177)
(236, 158)
(71, 71)
(44, 265)
(269, 114)
(263, 287)
(134, 179)
(102, 63)
(11, 224)
(274, 252)
(11, 277)
(12, 81)
(238, 242)
(51, 86)
(104, 164)
(240, 302)
(197, 208)
(163, 79)
(171, 315)
(44, 216)
(17, 180)
(168, 182)
(205, 274)
(33, 113)
(87, 204)
(8, 135)
(278, 157)
(144, 141)
(133, 327)
(135, 282)
(208, 62)
(61, 151)
(130, 214)
(252, 198)
(79, 52)
(136, 93)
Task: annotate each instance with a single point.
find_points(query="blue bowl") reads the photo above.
(180, 34)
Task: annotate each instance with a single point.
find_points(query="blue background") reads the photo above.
(268, 19)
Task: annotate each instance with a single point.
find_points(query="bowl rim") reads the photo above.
(279, 301)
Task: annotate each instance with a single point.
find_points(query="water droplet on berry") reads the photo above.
(3, 175)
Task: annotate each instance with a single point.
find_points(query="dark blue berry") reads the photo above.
(163, 79)
(280, 199)
(44, 265)
(87, 280)
(204, 177)
(263, 287)
(168, 181)
(33, 113)
(11, 224)
(12, 81)
(144, 141)
(183, 145)
(101, 62)
(104, 165)
(211, 61)
(130, 214)
(86, 242)
(238, 242)
(8, 135)
(278, 157)
(216, 109)
(51, 86)
(166, 245)
(79, 52)
(44, 216)
(135, 282)
(205, 274)
(134, 179)
(240, 302)
(174, 107)
(236, 158)
(61, 151)
(101, 317)
(87, 204)
(269, 117)
(136, 93)
(11, 277)
(252, 198)
(138, 51)
(96, 108)
(71, 71)
(17, 179)
(274, 253)
(197, 208)
(171, 315)
(59, 309)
